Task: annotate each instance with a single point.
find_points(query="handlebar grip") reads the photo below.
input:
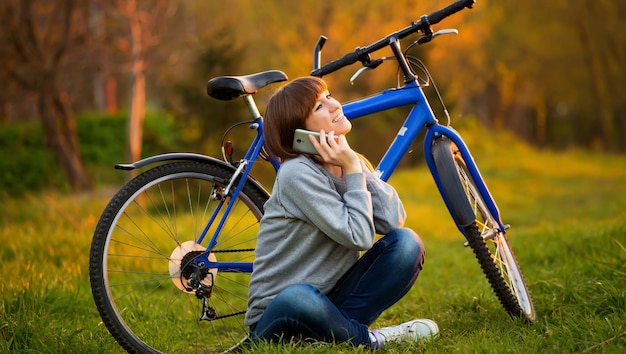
(337, 64)
(453, 8)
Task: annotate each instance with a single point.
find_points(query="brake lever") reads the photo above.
(370, 66)
(357, 74)
(445, 31)
(375, 63)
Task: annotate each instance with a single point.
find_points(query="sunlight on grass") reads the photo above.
(568, 217)
(47, 303)
(532, 188)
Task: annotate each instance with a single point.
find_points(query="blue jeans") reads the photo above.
(381, 277)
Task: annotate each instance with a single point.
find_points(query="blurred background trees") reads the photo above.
(39, 41)
(551, 72)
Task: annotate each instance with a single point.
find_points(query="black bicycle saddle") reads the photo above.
(227, 88)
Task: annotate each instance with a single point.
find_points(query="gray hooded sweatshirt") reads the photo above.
(314, 227)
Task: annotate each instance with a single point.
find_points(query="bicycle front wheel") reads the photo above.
(138, 253)
(482, 231)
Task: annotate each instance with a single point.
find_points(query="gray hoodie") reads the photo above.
(314, 227)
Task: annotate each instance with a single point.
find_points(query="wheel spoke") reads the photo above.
(484, 235)
(137, 260)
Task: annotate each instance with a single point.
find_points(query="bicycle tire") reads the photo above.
(132, 284)
(489, 244)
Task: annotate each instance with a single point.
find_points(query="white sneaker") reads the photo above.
(420, 329)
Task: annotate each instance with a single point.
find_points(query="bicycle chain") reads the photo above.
(233, 251)
(230, 315)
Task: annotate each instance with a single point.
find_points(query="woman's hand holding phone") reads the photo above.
(335, 150)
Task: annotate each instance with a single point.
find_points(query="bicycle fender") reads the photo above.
(181, 156)
(184, 156)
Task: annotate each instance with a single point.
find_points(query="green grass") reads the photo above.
(568, 217)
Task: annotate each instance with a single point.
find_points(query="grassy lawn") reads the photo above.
(568, 217)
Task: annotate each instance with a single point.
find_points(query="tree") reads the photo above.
(36, 40)
(549, 71)
(603, 51)
(203, 119)
(145, 25)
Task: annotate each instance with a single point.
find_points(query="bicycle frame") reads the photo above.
(421, 116)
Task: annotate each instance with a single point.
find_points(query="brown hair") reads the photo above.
(287, 110)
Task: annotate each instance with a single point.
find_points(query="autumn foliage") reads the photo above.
(551, 72)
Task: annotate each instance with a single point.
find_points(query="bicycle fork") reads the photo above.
(438, 131)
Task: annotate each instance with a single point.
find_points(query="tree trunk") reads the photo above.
(138, 98)
(494, 105)
(136, 118)
(111, 96)
(600, 91)
(61, 138)
(98, 33)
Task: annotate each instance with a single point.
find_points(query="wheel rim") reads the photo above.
(510, 271)
(497, 243)
(145, 300)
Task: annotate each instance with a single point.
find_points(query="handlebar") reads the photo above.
(362, 54)
(451, 9)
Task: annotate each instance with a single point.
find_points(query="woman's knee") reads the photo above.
(299, 300)
(298, 310)
(408, 242)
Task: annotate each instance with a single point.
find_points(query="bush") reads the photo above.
(27, 165)
(24, 163)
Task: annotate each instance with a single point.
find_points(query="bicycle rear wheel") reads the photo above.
(138, 250)
(489, 243)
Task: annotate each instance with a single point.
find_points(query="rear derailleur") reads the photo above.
(200, 281)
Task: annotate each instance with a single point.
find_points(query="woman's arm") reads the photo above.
(309, 194)
(389, 213)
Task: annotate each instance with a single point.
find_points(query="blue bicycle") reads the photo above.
(173, 250)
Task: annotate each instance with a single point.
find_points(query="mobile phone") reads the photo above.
(302, 143)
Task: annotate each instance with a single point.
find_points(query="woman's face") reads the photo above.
(328, 115)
